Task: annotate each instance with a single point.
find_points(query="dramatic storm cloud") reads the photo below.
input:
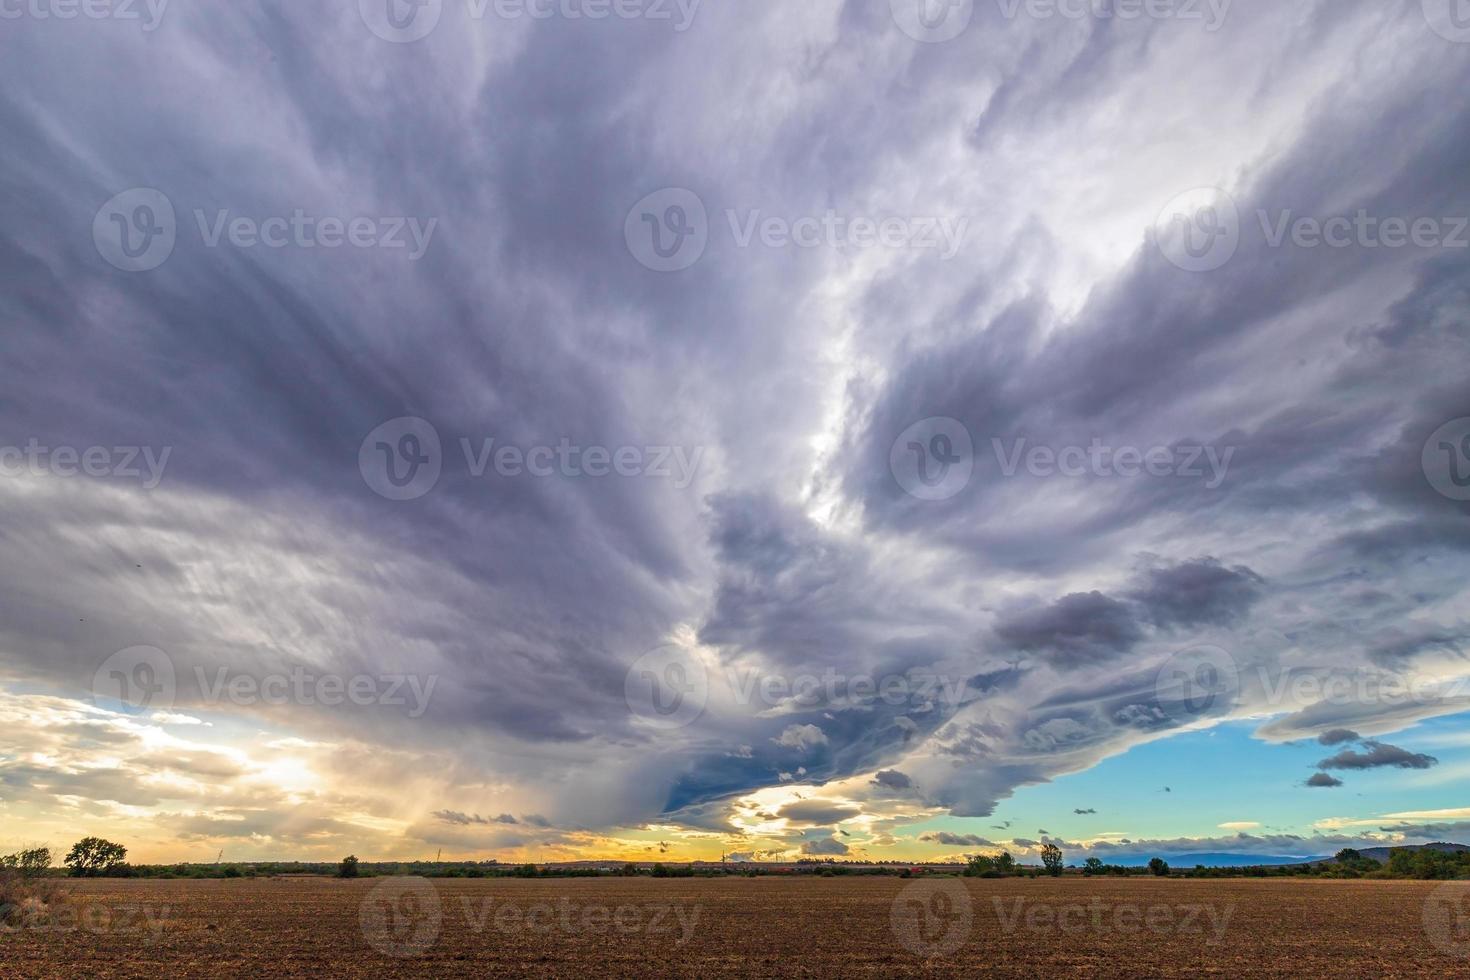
(689, 431)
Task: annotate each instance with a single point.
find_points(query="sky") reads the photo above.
(866, 429)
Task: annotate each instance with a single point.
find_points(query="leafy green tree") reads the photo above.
(1005, 864)
(1092, 866)
(1051, 856)
(979, 865)
(93, 856)
(1158, 866)
(348, 867)
(1401, 861)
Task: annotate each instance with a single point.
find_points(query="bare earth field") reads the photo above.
(1071, 926)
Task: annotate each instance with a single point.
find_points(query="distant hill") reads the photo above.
(1209, 860)
(1381, 853)
(1218, 860)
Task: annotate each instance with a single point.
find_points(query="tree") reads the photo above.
(93, 856)
(1092, 866)
(979, 865)
(31, 863)
(1005, 864)
(348, 867)
(1051, 856)
(1158, 866)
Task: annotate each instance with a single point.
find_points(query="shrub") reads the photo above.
(27, 900)
(348, 867)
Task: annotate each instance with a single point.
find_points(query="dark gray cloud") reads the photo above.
(1378, 756)
(1075, 630)
(892, 779)
(465, 819)
(825, 846)
(817, 812)
(1199, 593)
(1337, 736)
(1321, 779)
(956, 840)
